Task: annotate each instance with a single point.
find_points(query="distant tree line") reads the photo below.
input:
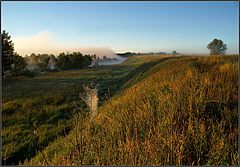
(127, 54)
(14, 65)
(73, 60)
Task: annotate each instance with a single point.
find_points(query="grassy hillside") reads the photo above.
(181, 111)
(38, 110)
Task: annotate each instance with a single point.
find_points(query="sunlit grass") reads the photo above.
(184, 112)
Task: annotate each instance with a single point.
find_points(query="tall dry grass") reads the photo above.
(184, 113)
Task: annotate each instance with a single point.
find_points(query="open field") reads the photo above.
(48, 102)
(154, 110)
(120, 83)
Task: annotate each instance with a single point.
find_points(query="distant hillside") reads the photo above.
(129, 54)
(178, 111)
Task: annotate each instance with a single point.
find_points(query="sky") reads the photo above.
(187, 27)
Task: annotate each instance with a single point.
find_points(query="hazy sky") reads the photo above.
(186, 27)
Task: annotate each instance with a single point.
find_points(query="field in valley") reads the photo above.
(153, 110)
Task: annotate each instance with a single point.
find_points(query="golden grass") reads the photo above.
(185, 113)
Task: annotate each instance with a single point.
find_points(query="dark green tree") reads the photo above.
(7, 52)
(174, 53)
(104, 57)
(18, 66)
(73, 60)
(43, 60)
(217, 47)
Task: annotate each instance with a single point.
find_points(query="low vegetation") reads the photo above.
(47, 103)
(179, 111)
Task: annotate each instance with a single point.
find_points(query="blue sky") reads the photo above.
(186, 27)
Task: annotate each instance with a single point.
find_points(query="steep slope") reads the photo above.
(183, 112)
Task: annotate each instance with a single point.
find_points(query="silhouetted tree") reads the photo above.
(217, 47)
(174, 53)
(12, 63)
(104, 57)
(73, 60)
(52, 63)
(43, 60)
(7, 52)
(18, 66)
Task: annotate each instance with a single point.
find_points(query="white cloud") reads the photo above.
(44, 42)
(99, 51)
(41, 42)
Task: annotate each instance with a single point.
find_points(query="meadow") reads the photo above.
(48, 102)
(154, 110)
